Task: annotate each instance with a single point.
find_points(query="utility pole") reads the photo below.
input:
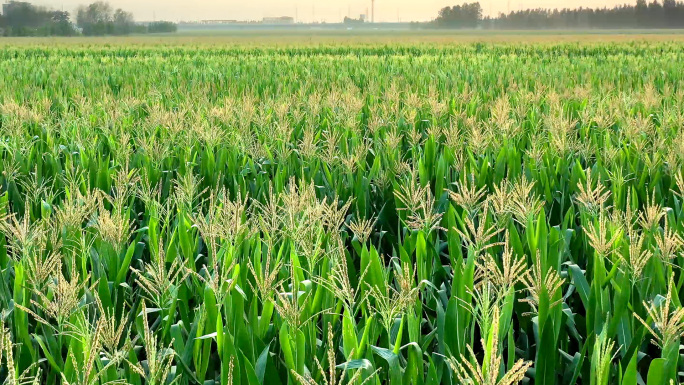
(372, 11)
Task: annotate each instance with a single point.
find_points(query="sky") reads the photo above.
(311, 10)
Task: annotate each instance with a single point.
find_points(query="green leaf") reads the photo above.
(629, 377)
(349, 337)
(546, 356)
(580, 282)
(656, 372)
(392, 362)
(261, 363)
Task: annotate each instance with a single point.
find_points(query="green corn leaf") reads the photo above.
(656, 372)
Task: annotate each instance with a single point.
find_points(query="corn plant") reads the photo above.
(342, 214)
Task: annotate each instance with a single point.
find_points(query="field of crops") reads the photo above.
(342, 214)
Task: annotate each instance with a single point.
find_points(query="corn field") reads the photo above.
(358, 214)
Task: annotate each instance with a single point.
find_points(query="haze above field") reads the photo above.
(314, 10)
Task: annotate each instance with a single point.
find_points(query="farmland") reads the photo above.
(365, 212)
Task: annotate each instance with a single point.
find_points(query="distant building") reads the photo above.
(278, 20)
(360, 20)
(219, 22)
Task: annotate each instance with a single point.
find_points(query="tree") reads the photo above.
(644, 14)
(467, 15)
(123, 22)
(670, 10)
(61, 25)
(25, 19)
(162, 27)
(641, 12)
(95, 19)
(98, 19)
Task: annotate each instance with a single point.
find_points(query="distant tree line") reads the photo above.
(467, 15)
(24, 19)
(21, 18)
(656, 14)
(99, 19)
(162, 27)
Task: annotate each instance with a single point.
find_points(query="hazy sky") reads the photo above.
(308, 10)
